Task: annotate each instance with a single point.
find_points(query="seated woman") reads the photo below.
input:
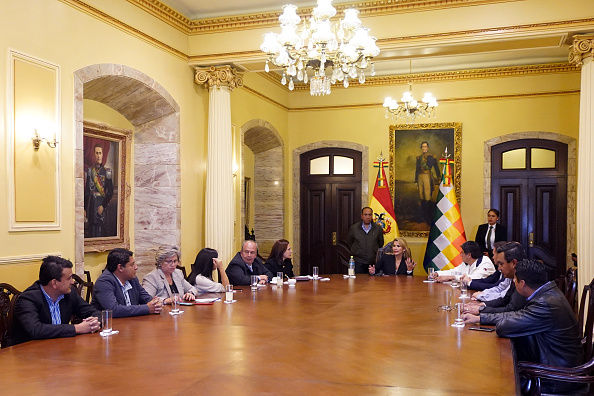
(201, 275)
(280, 258)
(400, 254)
(166, 279)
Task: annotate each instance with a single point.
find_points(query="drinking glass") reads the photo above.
(279, 278)
(448, 299)
(229, 294)
(255, 281)
(459, 322)
(463, 290)
(315, 272)
(430, 273)
(106, 321)
(175, 300)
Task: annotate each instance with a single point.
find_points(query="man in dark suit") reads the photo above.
(489, 233)
(545, 331)
(45, 308)
(245, 264)
(508, 256)
(119, 290)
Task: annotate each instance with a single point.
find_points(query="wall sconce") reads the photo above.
(37, 141)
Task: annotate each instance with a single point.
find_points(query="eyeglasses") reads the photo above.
(171, 262)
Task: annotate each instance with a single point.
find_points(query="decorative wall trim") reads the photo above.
(571, 177)
(94, 12)
(12, 260)
(266, 98)
(15, 225)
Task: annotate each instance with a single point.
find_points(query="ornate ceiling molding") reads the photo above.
(583, 47)
(269, 19)
(496, 72)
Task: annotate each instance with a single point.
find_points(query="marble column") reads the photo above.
(581, 53)
(220, 198)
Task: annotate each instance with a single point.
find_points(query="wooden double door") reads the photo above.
(529, 187)
(330, 201)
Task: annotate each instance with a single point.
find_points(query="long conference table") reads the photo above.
(363, 336)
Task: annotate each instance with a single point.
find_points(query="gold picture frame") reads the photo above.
(109, 229)
(405, 149)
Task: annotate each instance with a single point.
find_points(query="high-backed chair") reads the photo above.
(8, 296)
(571, 286)
(81, 285)
(581, 374)
(183, 270)
(383, 250)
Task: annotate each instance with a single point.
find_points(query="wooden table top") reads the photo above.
(363, 336)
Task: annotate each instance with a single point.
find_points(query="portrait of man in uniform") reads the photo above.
(416, 155)
(100, 205)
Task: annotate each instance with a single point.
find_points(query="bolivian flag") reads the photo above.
(381, 203)
(447, 232)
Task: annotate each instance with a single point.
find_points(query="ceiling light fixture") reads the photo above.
(345, 48)
(410, 109)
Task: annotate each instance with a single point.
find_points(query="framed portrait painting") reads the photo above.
(415, 171)
(106, 151)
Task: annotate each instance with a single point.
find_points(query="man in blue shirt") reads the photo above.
(119, 290)
(44, 310)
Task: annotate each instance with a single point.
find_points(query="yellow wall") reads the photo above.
(61, 34)
(74, 40)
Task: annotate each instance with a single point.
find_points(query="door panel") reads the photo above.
(533, 202)
(330, 204)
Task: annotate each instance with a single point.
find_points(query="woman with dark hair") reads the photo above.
(280, 258)
(489, 233)
(396, 262)
(201, 275)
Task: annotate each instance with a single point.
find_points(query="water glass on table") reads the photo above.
(459, 321)
(175, 300)
(315, 272)
(255, 279)
(430, 272)
(279, 278)
(229, 294)
(106, 321)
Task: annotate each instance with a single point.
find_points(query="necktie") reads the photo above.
(489, 238)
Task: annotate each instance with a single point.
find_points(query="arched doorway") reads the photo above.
(155, 117)
(267, 183)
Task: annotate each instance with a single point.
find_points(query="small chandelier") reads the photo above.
(410, 109)
(334, 52)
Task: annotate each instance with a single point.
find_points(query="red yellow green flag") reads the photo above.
(381, 202)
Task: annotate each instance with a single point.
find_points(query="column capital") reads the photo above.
(215, 76)
(582, 47)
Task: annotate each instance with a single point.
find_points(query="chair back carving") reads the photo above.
(383, 250)
(570, 288)
(587, 327)
(8, 296)
(183, 270)
(85, 286)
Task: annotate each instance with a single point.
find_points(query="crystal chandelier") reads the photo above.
(410, 109)
(333, 52)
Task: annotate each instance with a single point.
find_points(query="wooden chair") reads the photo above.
(8, 297)
(81, 285)
(581, 374)
(183, 270)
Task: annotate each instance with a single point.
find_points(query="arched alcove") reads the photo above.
(155, 117)
(265, 142)
(571, 176)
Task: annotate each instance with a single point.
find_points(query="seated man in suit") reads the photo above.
(489, 233)
(508, 256)
(475, 265)
(246, 263)
(118, 288)
(44, 310)
(545, 331)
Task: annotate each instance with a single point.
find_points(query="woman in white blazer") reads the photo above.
(166, 279)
